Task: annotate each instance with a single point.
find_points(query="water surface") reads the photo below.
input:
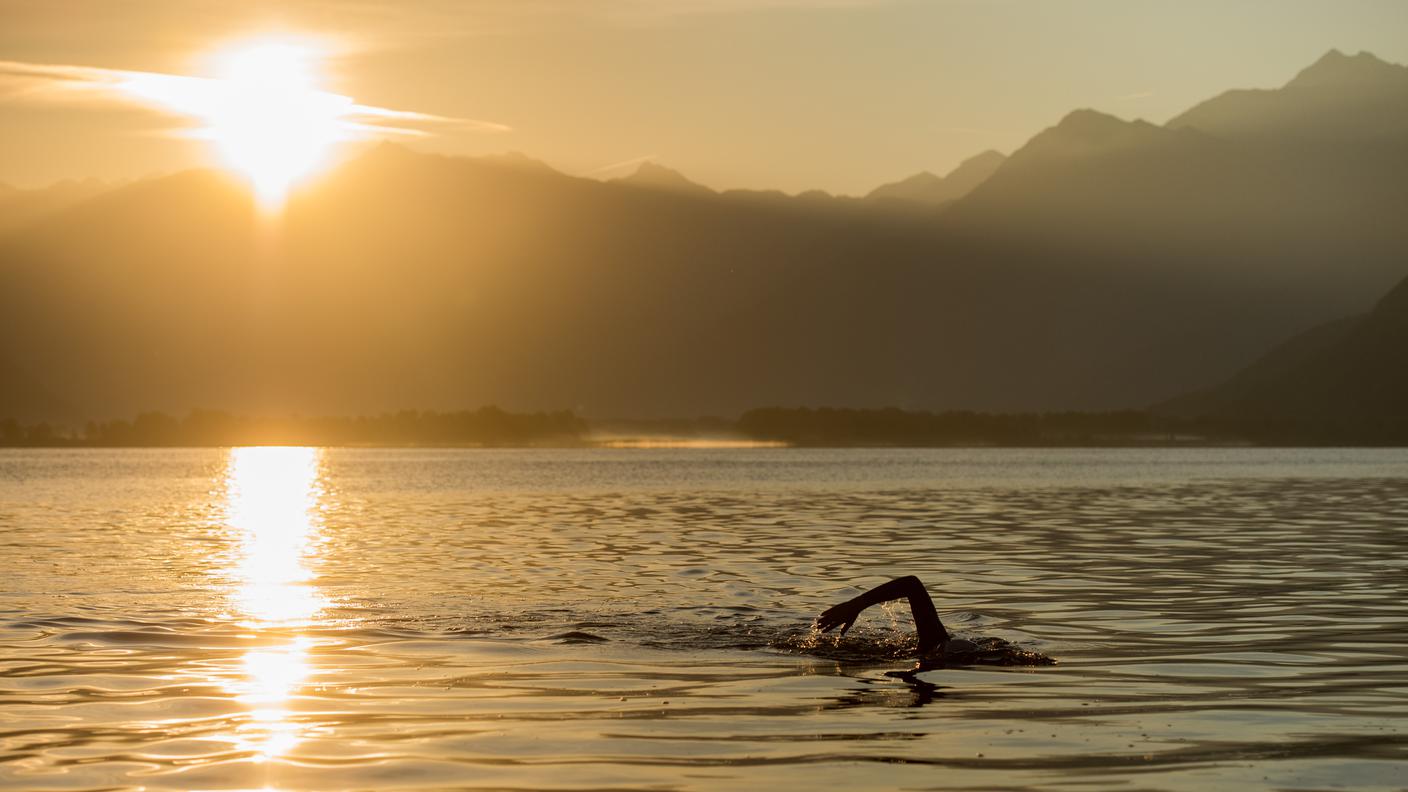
(637, 619)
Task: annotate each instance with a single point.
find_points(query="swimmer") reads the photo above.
(936, 646)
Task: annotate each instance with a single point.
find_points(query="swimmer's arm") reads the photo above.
(926, 619)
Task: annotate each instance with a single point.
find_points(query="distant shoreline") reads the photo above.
(702, 444)
(491, 427)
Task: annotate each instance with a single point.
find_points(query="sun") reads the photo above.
(262, 106)
(268, 117)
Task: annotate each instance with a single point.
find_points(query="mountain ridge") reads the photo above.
(652, 175)
(1337, 99)
(932, 190)
(1106, 263)
(1335, 68)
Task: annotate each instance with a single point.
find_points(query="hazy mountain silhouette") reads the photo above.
(1339, 98)
(514, 160)
(19, 208)
(926, 188)
(1350, 370)
(1105, 264)
(1336, 69)
(658, 177)
(1102, 172)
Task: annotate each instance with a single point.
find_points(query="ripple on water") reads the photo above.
(640, 619)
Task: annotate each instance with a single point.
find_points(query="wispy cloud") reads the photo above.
(375, 115)
(622, 165)
(184, 96)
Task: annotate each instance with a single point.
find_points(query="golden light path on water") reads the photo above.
(272, 513)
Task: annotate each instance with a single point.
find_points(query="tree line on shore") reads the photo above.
(488, 426)
(800, 426)
(894, 427)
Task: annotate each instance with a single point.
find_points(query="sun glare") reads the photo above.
(263, 110)
(269, 119)
(262, 106)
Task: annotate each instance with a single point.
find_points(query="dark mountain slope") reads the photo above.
(1349, 372)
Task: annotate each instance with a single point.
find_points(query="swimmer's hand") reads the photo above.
(926, 619)
(843, 616)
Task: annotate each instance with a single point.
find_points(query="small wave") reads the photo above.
(576, 637)
(745, 629)
(889, 646)
(855, 647)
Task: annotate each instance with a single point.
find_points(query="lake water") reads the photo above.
(276, 618)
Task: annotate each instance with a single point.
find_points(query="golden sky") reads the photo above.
(795, 94)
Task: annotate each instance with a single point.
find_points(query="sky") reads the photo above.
(840, 95)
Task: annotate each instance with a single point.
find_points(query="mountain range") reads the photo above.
(1104, 264)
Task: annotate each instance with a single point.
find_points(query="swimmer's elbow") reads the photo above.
(911, 582)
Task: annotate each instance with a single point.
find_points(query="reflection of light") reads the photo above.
(272, 509)
(270, 677)
(273, 496)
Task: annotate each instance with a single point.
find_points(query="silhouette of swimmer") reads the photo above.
(936, 646)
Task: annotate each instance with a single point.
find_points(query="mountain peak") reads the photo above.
(923, 180)
(653, 170)
(1085, 132)
(975, 170)
(1091, 123)
(655, 176)
(924, 187)
(519, 161)
(990, 158)
(1336, 68)
(1337, 98)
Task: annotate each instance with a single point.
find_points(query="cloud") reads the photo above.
(184, 96)
(40, 81)
(376, 115)
(623, 164)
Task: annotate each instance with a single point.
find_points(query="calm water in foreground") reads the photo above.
(637, 619)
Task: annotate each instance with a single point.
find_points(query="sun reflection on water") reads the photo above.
(273, 501)
(272, 512)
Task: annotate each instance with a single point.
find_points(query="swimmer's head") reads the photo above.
(949, 648)
(958, 646)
